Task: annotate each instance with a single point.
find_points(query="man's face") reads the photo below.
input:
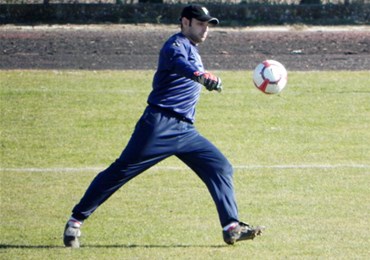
(195, 30)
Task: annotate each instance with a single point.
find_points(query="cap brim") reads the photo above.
(211, 20)
(214, 21)
(208, 19)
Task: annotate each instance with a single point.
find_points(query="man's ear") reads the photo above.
(185, 21)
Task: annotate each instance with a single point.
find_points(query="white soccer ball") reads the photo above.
(270, 77)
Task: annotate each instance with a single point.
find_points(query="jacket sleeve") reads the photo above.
(178, 59)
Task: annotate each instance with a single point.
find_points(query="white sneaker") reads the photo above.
(71, 235)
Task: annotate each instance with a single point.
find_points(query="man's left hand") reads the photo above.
(208, 80)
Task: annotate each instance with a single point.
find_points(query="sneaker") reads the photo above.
(71, 235)
(241, 231)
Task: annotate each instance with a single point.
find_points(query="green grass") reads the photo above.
(302, 168)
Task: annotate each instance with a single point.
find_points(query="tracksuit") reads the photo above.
(166, 129)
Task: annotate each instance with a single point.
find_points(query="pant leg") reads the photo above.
(215, 171)
(151, 142)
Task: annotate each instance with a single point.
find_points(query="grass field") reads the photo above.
(302, 168)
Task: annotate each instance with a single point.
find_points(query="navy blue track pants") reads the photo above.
(157, 136)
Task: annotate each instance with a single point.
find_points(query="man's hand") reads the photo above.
(208, 80)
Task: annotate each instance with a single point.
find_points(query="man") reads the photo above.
(166, 128)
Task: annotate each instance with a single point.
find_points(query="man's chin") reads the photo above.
(197, 40)
(200, 40)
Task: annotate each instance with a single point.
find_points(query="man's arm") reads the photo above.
(182, 66)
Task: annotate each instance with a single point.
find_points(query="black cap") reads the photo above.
(198, 12)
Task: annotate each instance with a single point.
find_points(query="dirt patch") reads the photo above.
(121, 47)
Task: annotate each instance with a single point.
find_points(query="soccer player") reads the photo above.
(166, 128)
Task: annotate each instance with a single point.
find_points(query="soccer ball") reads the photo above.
(270, 77)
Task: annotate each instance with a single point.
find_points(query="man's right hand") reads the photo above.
(210, 81)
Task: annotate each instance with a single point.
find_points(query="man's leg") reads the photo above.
(216, 172)
(140, 154)
(106, 183)
(151, 142)
(100, 189)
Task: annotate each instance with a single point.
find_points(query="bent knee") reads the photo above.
(227, 169)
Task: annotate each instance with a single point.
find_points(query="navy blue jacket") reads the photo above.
(173, 88)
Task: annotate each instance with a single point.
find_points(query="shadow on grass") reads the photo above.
(5, 246)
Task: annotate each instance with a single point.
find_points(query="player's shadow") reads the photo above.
(5, 246)
(155, 246)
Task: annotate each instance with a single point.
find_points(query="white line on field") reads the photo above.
(243, 167)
